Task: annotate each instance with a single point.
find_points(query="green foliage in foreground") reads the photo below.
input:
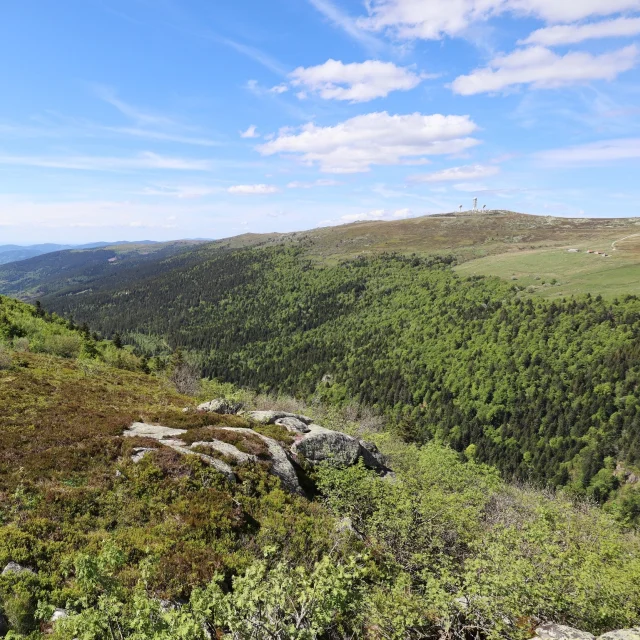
(444, 549)
(546, 391)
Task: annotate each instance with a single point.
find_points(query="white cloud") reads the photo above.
(311, 185)
(280, 88)
(253, 189)
(453, 174)
(143, 161)
(357, 81)
(574, 33)
(250, 132)
(375, 138)
(544, 69)
(593, 153)
(433, 19)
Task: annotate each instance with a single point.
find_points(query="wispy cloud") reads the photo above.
(600, 152)
(346, 23)
(143, 161)
(136, 114)
(311, 185)
(160, 135)
(253, 189)
(262, 58)
(181, 192)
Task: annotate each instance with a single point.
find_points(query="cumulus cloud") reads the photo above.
(251, 132)
(311, 185)
(543, 69)
(594, 153)
(375, 138)
(253, 189)
(454, 174)
(433, 19)
(574, 33)
(357, 81)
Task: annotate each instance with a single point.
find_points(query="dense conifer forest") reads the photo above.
(544, 390)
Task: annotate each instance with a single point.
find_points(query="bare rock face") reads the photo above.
(552, 631)
(220, 405)
(14, 567)
(320, 445)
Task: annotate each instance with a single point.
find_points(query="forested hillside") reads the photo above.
(99, 542)
(546, 391)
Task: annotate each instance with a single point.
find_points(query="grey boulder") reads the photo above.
(320, 445)
(14, 567)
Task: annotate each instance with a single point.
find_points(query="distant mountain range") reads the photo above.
(14, 252)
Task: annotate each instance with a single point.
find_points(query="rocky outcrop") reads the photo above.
(220, 405)
(313, 444)
(552, 631)
(323, 445)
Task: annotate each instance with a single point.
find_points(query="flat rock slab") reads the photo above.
(155, 431)
(226, 449)
(622, 634)
(552, 631)
(167, 437)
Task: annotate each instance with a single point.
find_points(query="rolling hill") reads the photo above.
(503, 243)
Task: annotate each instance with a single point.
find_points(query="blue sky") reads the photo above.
(160, 119)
